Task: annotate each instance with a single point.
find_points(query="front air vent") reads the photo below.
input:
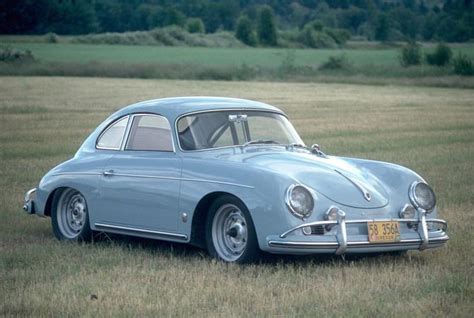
(317, 230)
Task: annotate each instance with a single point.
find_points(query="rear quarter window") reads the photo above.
(112, 136)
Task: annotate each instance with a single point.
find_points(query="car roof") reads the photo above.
(176, 106)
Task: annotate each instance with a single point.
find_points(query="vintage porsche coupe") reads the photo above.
(233, 176)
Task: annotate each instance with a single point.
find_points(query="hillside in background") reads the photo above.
(255, 22)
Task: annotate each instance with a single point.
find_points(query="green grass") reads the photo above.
(262, 57)
(45, 119)
(366, 65)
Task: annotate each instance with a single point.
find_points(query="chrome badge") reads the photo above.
(359, 186)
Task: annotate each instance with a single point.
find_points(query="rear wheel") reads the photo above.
(230, 233)
(69, 216)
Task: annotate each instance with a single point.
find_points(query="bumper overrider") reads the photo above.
(29, 203)
(421, 233)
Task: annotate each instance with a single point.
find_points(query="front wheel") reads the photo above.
(230, 233)
(69, 216)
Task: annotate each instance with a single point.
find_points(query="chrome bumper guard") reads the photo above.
(342, 242)
(29, 203)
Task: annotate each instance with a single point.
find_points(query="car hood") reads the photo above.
(340, 180)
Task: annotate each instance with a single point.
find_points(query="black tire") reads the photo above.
(64, 230)
(242, 232)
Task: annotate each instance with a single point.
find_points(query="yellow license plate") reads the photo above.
(383, 232)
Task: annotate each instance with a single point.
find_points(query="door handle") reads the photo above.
(108, 173)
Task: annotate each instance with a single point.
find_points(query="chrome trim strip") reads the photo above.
(219, 182)
(424, 231)
(180, 179)
(342, 238)
(290, 244)
(356, 244)
(133, 229)
(126, 133)
(28, 203)
(110, 174)
(437, 240)
(305, 225)
(445, 224)
(29, 194)
(77, 173)
(358, 185)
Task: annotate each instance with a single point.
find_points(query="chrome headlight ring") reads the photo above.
(299, 200)
(422, 196)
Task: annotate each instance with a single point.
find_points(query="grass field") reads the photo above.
(365, 64)
(44, 120)
(262, 57)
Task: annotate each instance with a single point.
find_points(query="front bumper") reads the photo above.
(29, 202)
(420, 237)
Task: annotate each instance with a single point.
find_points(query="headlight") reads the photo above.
(299, 201)
(422, 196)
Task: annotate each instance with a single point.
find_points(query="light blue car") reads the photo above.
(233, 176)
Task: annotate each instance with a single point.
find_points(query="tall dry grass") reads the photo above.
(44, 120)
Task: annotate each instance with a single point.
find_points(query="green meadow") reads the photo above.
(261, 57)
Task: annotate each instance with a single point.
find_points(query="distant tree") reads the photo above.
(195, 25)
(430, 25)
(340, 36)
(267, 33)
(410, 54)
(382, 28)
(220, 15)
(174, 17)
(352, 18)
(316, 36)
(463, 65)
(441, 55)
(446, 20)
(70, 17)
(405, 21)
(245, 32)
(298, 14)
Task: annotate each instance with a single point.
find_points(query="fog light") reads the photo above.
(307, 230)
(407, 212)
(331, 214)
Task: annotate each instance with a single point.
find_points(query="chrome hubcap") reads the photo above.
(72, 213)
(229, 232)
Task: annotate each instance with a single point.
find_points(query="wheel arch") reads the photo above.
(198, 225)
(49, 202)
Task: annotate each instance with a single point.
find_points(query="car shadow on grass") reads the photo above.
(190, 252)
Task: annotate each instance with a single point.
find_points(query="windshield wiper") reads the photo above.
(260, 141)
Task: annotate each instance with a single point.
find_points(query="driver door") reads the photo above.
(140, 186)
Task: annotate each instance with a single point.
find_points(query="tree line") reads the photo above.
(253, 20)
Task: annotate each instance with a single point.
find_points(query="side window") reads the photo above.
(112, 137)
(150, 132)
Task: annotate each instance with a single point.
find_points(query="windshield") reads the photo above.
(232, 128)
